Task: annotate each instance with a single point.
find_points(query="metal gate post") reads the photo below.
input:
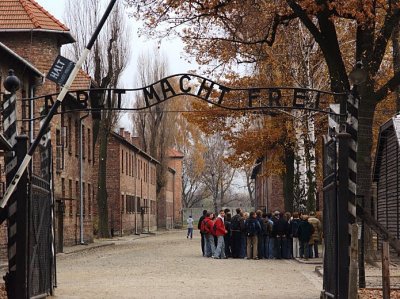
(16, 278)
(21, 194)
(342, 216)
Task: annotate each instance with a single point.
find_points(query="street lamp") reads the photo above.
(11, 83)
(358, 75)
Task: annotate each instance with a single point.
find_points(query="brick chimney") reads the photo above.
(121, 131)
(127, 135)
(136, 141)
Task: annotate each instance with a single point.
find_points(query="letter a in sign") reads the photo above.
(60, 71)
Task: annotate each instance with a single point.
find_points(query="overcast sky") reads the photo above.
(173, 49)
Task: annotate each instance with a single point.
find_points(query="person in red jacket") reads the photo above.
(207, 229)
(219, 232)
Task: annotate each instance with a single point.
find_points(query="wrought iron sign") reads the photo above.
(205, 89)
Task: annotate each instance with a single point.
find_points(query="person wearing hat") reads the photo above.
(316, 236)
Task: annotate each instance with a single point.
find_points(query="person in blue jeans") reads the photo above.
(268, 242)
(189, 222)
(304, 232)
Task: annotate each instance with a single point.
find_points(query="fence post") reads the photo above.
(385, 271)
(21, 194)
(16, 278)
(342, 216)
(353, 289)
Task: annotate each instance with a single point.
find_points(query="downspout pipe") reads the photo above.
(81, 230)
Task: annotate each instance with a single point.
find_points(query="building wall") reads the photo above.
(269, 190)
(176, 164)
(130, 187)
(41, 51)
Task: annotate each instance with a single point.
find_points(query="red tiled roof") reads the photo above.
(27, 14)
(174, 153)
(82, 81)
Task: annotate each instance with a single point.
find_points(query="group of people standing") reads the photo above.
(258, 235)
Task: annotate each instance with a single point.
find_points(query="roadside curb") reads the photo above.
(319, 270)
(309, 261)
(99, 243)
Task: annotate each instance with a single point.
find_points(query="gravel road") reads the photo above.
(171, 266)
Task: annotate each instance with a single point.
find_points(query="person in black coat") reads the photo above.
(304, 232)
(281, 231)
(228, 235)
(202, 234)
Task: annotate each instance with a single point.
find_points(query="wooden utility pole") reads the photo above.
(353, 271)
(385, 271)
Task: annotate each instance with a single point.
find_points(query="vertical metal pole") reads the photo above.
(361, 258)
(21, 195)
(342, 208)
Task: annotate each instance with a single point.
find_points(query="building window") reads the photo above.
(137, 204)
(89, 199)
(122, 204)
(83, 199)
(122, 160)
(59, 151)
(76, 139)
(127, 164)
(69, 134)
(77, 195)
(62, 188)
(83, 142)
(152, 207)
(70, 197)
(89, 145)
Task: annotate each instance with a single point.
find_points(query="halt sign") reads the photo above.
(61, 69)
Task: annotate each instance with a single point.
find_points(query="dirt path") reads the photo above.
(170, 266)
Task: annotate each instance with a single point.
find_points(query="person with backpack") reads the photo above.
(228, 235)
(219, 231)
(260, 237)
(236, 233)
(207, 229)
(253, 228)
(268, 242)
(203, 238)
(294, 227)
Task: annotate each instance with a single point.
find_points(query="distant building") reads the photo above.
(169, 208)
(131, 186)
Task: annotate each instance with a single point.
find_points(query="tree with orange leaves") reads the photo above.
(224, 31)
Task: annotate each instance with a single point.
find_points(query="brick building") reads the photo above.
(131, 186)
(169, 207)
(268, 188)
(31, 35)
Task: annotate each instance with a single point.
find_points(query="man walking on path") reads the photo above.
(219, 232)
(189, 227)
(203, 238)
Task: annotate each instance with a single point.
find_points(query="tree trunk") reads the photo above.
(102, 202)
(288, 180)
(364, 161)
